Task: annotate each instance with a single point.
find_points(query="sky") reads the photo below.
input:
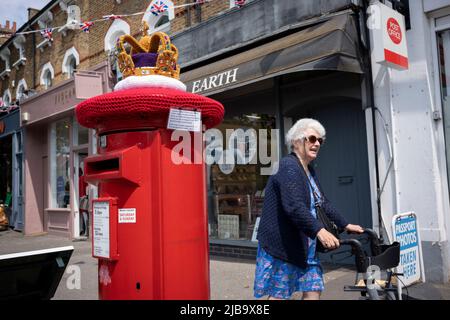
(16, 10)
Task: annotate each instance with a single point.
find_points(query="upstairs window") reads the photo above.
(70, 62)
(21, 89)
(118, 28)
(72, 66)
(47, 75)
(47, 80)
(6, 98)
(162, 21)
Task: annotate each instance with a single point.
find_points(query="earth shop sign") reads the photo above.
(388, 33)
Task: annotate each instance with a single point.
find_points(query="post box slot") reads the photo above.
(122, 165)
(103, 166)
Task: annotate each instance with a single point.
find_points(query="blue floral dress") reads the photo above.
(280, 279)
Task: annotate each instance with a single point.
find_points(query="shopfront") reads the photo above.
(11, 184)
(54, 150)
(315, 72)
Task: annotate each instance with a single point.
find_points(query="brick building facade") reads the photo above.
(89, 47)
(37, 74)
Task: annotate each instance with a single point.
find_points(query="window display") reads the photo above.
(237, 191)
(59, 164)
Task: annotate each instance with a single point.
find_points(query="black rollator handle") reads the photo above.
(385, 257)
(375, 245)
(358, 251)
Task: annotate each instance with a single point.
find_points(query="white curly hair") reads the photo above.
(298, 130)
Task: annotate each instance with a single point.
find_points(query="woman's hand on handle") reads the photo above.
(327, 239)
(353, 228)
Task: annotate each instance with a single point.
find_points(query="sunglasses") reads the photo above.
(313, 139)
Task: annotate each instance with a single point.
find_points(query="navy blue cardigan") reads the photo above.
(286, 220)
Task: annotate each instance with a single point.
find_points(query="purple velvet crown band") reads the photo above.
(144, 59)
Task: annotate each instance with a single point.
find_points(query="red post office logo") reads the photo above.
(394, 30)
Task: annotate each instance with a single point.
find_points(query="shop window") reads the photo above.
(70, 62)
(47, 75)
(236, 190)
(60, 164)
(80, 134)
(162, 21)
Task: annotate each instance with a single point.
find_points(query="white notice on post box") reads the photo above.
(184, 120)
(101, 229)
(127, 215)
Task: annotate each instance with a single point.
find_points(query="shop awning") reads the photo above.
(329, 45)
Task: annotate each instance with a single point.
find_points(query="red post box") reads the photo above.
(150, 227)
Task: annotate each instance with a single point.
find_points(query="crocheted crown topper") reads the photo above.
(151, 55)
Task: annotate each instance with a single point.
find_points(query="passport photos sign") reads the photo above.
(406, 232)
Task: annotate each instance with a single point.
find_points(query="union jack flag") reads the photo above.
(86, 25)
(47, 34)
(158, 7)
(239, 3)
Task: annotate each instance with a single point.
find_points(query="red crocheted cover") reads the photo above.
(144, 108)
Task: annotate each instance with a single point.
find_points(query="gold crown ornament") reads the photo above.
(151, 55)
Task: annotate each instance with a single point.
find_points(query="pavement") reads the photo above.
(231, 279)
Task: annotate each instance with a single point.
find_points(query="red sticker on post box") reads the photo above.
(127, 215)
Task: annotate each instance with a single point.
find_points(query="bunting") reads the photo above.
(158, 7)
(85, 26)
(239, 3)
(47, 34)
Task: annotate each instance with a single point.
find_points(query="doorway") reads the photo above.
(17, 201)
(342, 166)
(6, 179)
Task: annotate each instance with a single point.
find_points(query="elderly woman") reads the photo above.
(287, 261)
